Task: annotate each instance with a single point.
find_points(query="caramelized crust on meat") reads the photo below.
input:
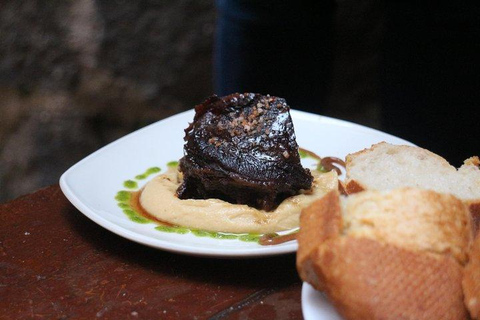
(241, 148)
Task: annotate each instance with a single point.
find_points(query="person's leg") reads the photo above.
(275, 47)
(430, 77)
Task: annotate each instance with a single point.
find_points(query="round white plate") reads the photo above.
(315, 305)
(92, 183)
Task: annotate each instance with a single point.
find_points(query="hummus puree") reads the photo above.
(158, 199)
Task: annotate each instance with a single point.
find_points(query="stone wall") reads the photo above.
(77, 74)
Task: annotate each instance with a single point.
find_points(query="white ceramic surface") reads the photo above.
(92, 183)
(315, 305)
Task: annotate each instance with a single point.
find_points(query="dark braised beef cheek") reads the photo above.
(241, 148)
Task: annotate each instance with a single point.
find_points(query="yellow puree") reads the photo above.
(158, 199)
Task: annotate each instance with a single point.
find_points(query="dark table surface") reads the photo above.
(57, 264)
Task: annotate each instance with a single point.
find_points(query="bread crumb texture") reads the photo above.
(418, 220)
(385, 166)
(395, 254)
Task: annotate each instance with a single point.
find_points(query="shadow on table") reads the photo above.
(275, 271)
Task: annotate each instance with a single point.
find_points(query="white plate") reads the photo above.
(315, 305)
(92, 183)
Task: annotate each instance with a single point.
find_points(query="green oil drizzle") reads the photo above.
(210, 234)
(321, 168)
(303, 154)
(124, 205)
(172, 164)
(250, 237)
(123, 201)
(124, 197)
(171, 229)
(148, 173)
(130, 184)
(135, 217)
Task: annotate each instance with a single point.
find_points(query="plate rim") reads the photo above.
(308, 309)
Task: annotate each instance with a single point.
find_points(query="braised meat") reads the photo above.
(241, 148)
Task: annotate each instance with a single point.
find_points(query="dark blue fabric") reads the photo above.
(429, 74)
(272, 46)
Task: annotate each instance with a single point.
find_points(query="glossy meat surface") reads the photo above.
(241, 148)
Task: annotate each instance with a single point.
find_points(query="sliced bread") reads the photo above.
(385, 167)
(387, 255)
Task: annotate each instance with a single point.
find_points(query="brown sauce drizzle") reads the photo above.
(270, 239)
(267, 239)
(329, 164)
(311, 154)
(135, 204)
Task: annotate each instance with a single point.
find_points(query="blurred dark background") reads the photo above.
(78, 74)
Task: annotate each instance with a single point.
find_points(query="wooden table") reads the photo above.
(57, 264)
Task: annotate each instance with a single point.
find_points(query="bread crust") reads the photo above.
(474, 208)
(376, 276)
(369, 280)
(342, 188)
(471, 280)
(358, 184)
(413, 219)
(319, 222)
(353, 186)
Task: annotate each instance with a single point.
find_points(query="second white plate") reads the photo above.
(315, 305)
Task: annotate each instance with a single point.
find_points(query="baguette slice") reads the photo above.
(471, 280)
(385, 167)
(319, 222)
(387, 255)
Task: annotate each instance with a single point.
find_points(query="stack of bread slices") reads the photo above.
(400, 244)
